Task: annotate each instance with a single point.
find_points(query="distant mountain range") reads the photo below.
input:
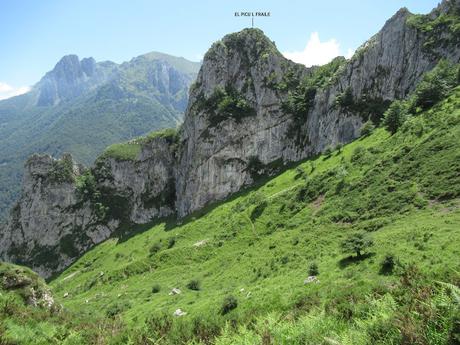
(81, 106)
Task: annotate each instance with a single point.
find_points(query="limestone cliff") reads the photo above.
(250, 112)
(65, 209)
(218, 148)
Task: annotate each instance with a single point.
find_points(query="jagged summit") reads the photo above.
(70, 78)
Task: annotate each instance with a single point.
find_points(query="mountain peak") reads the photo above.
(69, 79)
(249, 40)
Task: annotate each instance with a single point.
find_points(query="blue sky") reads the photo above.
(34, 35)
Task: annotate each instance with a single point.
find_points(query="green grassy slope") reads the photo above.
(401, 191)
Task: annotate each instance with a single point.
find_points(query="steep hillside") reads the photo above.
(82, 106)
(251, 113)
(269, 266)
(274, 265)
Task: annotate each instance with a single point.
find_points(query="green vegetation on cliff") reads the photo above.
(130, 150)
(441, 30)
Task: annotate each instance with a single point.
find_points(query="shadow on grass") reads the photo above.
(354, 260)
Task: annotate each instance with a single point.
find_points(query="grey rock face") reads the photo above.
(49, 226)
(236, 127)
(215, 160)
(54, 223)
(145, 186)
(70, 78)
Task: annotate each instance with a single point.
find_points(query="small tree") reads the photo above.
(156, 288)
(345, 99)
(436, 85)
(313, 269)
(388, 264)
(367, 128)
(395, 116)
(356, 243)
(193, 285)
(228, 305)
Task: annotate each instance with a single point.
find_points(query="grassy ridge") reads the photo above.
(130, 150)
(402, 191)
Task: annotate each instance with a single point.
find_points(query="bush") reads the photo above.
(328, 151)
(171, 242)
(356, 243)
(345, 99)
(155, 248)
(359, 155)
(225, 103)
(193, 285)
(454, 334)
(435, 85)
(388, 264)
(156, 288)
(395, 116)
(313, 269)
(367, 128)
(87, 186)
(117, 308)
(300, 101)
(228, 305)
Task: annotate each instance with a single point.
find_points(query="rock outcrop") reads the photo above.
(250, 112)
(28, 285)
(65, 209)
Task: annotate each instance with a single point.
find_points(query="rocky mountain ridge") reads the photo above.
(81, 106)
(251, 111)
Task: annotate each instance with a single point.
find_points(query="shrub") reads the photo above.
(454, 334)
(225, 103)
(388, 264)
(328, 151)
(356, 243)
(156, 288)
(367, 128)
(284, 260)
(339, 148)
(359, 154)
(116, 308)
(395, 116)
(62, 170)
(313, 269)
(87, 187)
(155, 248)
(228, 305)
(171, 242)
(435, 85)
(300, 101)
(345, 99)
(193, 285)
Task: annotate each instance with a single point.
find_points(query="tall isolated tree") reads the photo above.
(395, 116)
(356, 243)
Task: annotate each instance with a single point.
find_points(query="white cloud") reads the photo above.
(317, 52)
(7, 91)
(349, 53)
